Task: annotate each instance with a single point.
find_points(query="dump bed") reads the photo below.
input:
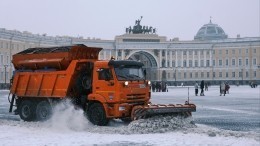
(57, 58)
(49, 72)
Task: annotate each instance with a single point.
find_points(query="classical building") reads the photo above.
(211, 56)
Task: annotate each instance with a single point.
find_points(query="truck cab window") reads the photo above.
(105, 74)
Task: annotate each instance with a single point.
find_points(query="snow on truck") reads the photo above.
(104, 89)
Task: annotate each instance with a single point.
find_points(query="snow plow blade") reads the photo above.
(142, 112)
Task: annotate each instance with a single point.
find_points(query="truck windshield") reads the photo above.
(129, 73)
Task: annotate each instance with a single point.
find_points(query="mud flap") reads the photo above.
(142, 112)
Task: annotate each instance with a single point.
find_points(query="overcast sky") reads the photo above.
(106, 19)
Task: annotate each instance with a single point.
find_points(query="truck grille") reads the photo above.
(135, 97)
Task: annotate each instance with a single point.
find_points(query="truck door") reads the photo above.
(104, 83)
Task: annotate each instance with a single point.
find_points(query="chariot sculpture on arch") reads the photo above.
(139, 29)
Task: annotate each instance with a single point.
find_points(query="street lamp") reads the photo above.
(5, 75)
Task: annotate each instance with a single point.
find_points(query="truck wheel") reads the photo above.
(97, 115)
(27, 110)
(43, 110)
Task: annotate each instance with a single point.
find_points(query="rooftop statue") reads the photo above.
(139, 29)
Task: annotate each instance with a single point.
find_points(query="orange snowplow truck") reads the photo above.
(103, 89)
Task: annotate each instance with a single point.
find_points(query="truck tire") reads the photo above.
(27, 110)
(97, 115)
(43, 110)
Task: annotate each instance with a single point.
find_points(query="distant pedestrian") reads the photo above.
(166, 86)
(227, 87)
(196, 89)
(222, 88)
(206, 86)
(153, 86)
(202, 88)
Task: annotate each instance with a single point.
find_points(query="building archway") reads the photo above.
(149, 60)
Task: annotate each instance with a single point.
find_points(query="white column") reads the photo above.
(123, 54)
(187, 60)
(193, 58)
(166, 58)
(160, 58)
(205, 58)
(171, 59)
(110, 54)
(105, 55)
(176, 58)
(210, 56)
(199, 60)
(181, 58)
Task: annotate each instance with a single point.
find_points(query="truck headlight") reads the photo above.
(149, 82)
(126, 83)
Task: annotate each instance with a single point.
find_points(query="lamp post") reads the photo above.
(5, 74)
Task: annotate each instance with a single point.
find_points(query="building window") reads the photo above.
(196, 53)
(169, 75)
(190, 52)
(190, 63)
(2, 76)
(233, 62)
(226, 51)
(190, 74)
(213, 52)
(214, 74)
(207, 52)
(163, 53)
(196, 75)
(254, 50)
(179, 63)
(233, 51)
(184, 63)
(202, 74)
(233, 74)
(207, 74)
(220, 52)
(201, 52)
(226, 62)
(184, 75)
(240, 51)
(213, 63)
(196, 63)
(247, 51)
(240, 74)
(254, 73)
(201, 63)
(173, 63)
(1, 59)
(220, 74)
(246, 62)
(220, 62)
(184, 53)
(179, 75)
(254, 61)
(226, 74)
(240, 62)
(247, 75)
(207, 63)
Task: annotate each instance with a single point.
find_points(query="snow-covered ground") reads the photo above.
(233, 119)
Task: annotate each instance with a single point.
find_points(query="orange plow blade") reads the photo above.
(141, 112)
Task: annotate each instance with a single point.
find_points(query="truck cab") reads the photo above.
(117, 86)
